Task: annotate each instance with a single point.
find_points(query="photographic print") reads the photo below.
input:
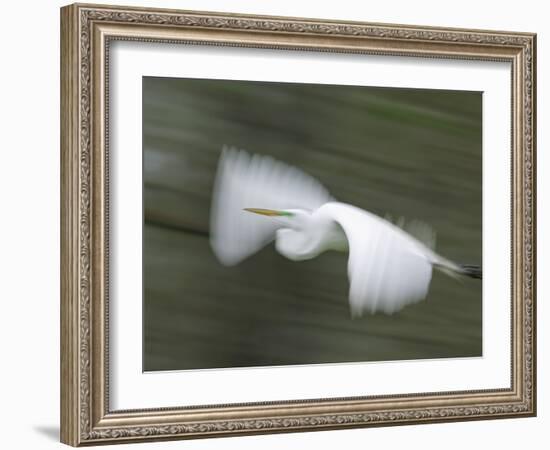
(292, 224)
(267, 221)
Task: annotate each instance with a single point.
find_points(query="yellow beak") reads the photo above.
(265, 212)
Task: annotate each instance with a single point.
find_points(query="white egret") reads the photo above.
(389, 266)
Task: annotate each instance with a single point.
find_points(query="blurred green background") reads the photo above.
(405, 152)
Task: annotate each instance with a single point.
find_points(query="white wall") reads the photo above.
(29, 235)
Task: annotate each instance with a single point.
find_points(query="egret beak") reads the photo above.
(267, 212)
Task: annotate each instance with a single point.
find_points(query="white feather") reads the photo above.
(245, 181)
(387, 268)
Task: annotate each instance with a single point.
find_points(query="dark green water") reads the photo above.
(404, 152)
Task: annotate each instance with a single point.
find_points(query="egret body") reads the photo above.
(258, 199)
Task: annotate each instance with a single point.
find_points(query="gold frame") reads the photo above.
(86, 31)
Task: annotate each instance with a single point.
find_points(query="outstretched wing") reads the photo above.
(387, 267)
(255, 181)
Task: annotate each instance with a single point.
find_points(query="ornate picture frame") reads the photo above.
(87, 31)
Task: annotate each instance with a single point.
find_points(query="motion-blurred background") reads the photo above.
(403, 152)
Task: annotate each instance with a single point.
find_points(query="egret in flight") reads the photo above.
(257, 199)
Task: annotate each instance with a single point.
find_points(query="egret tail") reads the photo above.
(458, 271)
(471, 270)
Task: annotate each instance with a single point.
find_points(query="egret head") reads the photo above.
(300, 235)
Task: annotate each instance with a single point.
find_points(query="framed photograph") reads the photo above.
(275, 224)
